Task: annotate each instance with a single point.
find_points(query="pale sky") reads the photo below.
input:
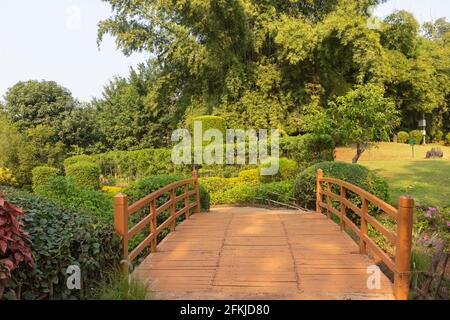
(56, 40)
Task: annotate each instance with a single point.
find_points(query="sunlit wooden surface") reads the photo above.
(255, 253)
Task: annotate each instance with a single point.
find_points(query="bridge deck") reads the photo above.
(254, 253)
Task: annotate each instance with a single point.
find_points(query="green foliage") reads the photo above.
(78, 158)
(85, 200)
(249, 176)
(402, 137)
(121, 287)
(145, 186)
(417, 135)
(7, 178)
(84, 174)
(132, 165)
(447, 138)
(228, 190)
(282, 191)
(309, 149)
(42, 175)
(287, 169)
(305, 185)
(209, 122)
(61, 237)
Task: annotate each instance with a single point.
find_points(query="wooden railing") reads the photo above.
(122, 212)
(401, 240)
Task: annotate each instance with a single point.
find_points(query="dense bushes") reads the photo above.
(287, 169)
(143, 187)
(447, 138)
(417, 135)
(84, 174)
(305, 185)
(86, 200)
(402, 137)
(308, 149)
(209, 122)
(131, 165)
(42, 175)
(60, 237)
(7, 178)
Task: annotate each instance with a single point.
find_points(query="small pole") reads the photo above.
(197, 190)
(403, 248)
(319, 177)
(172, 210)
(363, 230)
(121, 225)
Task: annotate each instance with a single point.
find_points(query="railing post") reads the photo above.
(363, 228)
(172, 210)
(319, 177)
(403, 248)
(154, 241)
(343, 208)
(121, 224)
(186, 199)
(197, 191)
(329, 204)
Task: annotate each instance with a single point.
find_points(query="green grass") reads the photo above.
(427, 181)
(120, 287)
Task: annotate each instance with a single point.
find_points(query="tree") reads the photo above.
(361, 116)
(33, 103)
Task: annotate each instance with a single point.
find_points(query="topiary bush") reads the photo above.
(60, 237)
(281, 191)
(85, 200)
(42, 175)
(249, 176)
(7, 178)
(305, 184)
(447, 138)
(402, 137)
(417, 135)
(209, 122)
(287, 169)
(78, 158)
(84, 174)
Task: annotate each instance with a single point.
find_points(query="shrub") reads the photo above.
(249, 176)
(132, 165)
(60, 237)
(112, 189)
(84, 174)
(78, 158)
(434, 153)
(210, 122)
(402, 137)
(308, 149)
(287, 169)
(42, 175)
(281, 191)
(305, 184)
(64, 192)
(7, 178)
(145, 186)
(14, 242)
(121, 287)
(438, 135)
(447, 138)
(417, 135)
(228, 190)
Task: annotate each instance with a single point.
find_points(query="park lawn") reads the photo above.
(428, 181)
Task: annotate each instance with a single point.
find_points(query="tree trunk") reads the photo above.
(360, 148)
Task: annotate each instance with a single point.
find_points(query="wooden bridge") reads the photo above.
(255, 253)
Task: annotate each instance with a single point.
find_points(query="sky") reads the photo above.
(56, 40)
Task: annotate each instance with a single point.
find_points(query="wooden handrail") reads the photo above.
(122, 212)
(401, 240)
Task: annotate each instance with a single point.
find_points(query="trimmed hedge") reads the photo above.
(287, 170)
(132, 165)
(417, 135)
(7, 178)
(209, 122)
(447, 138)
(60, 237)
(305, 185)
(84, 174)
(308, 149)
(42, 175)
(78, 158)
(402, 137)
(85, 200)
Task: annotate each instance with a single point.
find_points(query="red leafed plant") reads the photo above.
(14, 249)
